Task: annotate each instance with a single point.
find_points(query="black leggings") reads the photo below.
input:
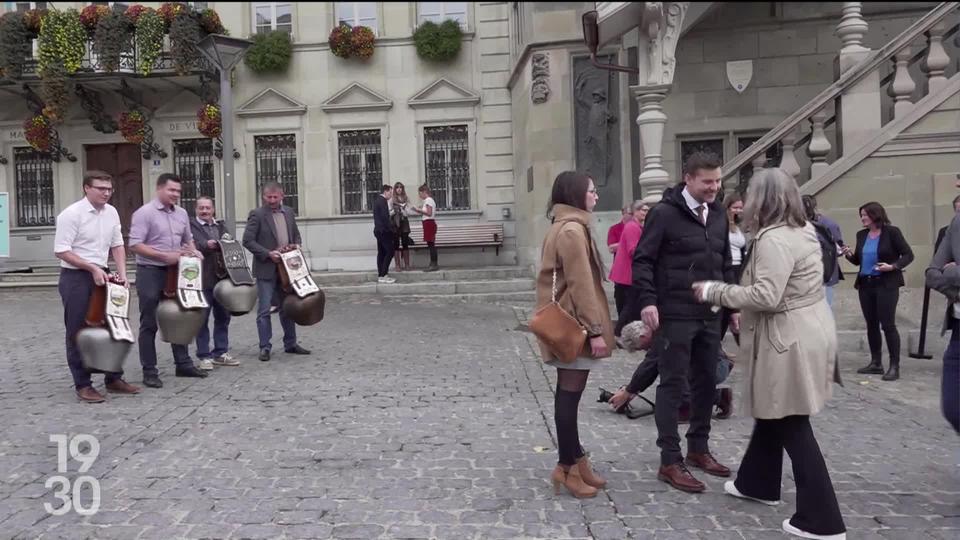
(879, 306)
(566, 402)
(433, 253)
(762, 468)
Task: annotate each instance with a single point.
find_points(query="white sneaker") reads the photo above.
(225, 360)
(790, 529)
(205, 364)
(732, 490)
(386, 279)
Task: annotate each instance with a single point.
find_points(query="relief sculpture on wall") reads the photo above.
(596, 106)
(540, 75)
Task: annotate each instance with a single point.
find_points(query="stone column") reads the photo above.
(858, 117)
(652, 121)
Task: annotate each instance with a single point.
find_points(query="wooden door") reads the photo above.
(124, 163)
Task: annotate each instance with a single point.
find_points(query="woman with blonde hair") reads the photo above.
(571, 270)
(788, 354)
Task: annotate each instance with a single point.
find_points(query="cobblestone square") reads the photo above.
(420, 420)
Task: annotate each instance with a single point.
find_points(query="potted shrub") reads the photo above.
(352, 41)
(438, 42)
(270, 53)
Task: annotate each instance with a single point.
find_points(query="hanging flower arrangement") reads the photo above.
(170, 10)
(91, 15)
(34, 19)
(184, 35)
(135, 11)
(133, 126)
(62, 40)
(348, 41)
(39, 133)
(210, 22)
(149, 38)
(438, 42)
(14, 44)
(209, 121)
(112, 39)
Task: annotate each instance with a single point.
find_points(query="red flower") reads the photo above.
(132, 124)
(38, 132)
(209, 121)
(135, 11)
(210, 22)
(170, 10)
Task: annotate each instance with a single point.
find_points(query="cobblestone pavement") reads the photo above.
(418, 420)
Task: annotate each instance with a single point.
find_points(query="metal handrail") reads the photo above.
(874, 60)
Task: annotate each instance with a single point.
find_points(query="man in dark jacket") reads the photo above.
(383, 231)
(269, 229)
(685, 240)
(207, 231)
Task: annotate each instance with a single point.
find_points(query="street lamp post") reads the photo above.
(225, 53)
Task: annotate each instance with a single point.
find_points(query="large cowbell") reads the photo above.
(236, 292)
(181, 315)
(304, 302)
(106, 341)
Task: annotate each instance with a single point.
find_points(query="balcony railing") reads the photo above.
(93, 64)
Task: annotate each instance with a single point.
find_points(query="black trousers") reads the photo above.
(150, 282)
(687, 350)
(75, 287)
(386, 243)
(620, 299)
(879, 306)
(726, 313)
(762, 468)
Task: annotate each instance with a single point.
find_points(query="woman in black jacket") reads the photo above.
(882, 253)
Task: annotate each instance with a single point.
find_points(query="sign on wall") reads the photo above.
(4, 224)
(739, 73)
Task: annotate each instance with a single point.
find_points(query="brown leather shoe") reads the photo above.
(121, 386)
(707, 463)
(590, 477)
(89, 395)
(679, 477)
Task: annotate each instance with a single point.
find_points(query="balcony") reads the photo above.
(93, 66)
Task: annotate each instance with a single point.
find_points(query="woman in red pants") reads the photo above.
(429, 213)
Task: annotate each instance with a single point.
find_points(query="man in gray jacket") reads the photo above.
(269, 229)
(943, 275)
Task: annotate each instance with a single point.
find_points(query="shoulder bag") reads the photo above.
(560, 332)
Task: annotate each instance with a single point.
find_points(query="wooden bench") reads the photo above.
(461, 235)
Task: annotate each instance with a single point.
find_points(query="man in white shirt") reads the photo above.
(87, 232)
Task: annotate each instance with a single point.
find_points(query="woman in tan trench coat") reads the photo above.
(570, 253)
(788, 349)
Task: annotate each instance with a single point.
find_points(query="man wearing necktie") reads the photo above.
(685, 240)
(207, 231)
(269, 229)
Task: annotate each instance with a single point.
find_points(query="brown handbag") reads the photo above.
(560, 333)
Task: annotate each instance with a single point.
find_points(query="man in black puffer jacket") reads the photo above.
(684, 241)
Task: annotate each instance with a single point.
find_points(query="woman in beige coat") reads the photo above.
(788, 351)
(570, 253)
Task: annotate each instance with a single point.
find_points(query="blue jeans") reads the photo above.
(950, 383)
(829, 291)
(150, 282)
(221, 325)
(267, 291)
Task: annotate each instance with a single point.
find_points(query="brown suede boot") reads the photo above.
(589, 476)
(569, 476)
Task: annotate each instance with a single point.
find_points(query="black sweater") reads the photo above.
(381, 216)
(675, 251)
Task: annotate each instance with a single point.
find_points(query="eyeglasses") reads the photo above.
(103, 189)
(592, 191)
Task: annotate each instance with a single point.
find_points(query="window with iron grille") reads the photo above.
(34, 187)
(276, 161)
(193, 163)
(361, 169)
(447, 157)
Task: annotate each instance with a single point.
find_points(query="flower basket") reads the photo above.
(209, 121)
(438, 42)
(270, 53)
(210, 22)
(352, 41)
(91, 15)
(135, 11)
(34, 19)
(149, 39)
(39, 133)
(133, 126)
(170, 10)
(14, 44)
(112, 39)
(184, 34)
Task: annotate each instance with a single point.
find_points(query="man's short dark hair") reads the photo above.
(701, 161)
(271, 186)
(167, 177)
(90, 176)
(385, 188)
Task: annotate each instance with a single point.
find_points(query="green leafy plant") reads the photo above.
(112, 39)
(438, 42)
(270, 52)
(14, 44)
(149, 38)
(62, 41)
(184, 34)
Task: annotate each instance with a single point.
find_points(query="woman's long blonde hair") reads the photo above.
(773, 197)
